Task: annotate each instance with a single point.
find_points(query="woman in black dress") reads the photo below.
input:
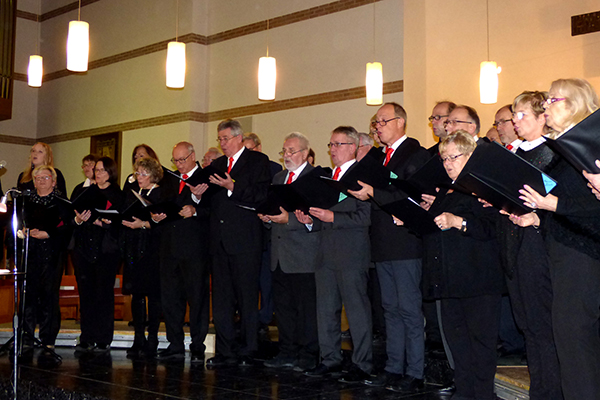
(47, 218)
(139, 245)
(572, 236)
(96, 260)
(461, 266)
(525, 259)
(40, 154)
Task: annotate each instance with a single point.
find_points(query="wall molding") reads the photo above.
(194, 116)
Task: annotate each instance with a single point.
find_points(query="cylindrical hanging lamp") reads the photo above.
(488, 82)
(176, 65)
(78, 46)
(35, 71)
(374, 83)
(267, 78)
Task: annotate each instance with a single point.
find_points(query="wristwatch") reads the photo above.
(463, 226)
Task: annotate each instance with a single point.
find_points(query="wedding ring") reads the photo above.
(533, 205)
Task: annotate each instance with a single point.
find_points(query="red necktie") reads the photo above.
(336, 173)
(289, 180)
(182, 182)
(388, 155)
(230, 165)
(509, 146)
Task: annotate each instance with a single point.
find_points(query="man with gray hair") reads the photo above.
(293, 262)
(364, 146)
(236, 244)
(211, 155)
(465, 118)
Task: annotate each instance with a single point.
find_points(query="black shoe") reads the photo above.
(355, 375)
(383, 378)
(84, 347)
(138, 347)
(246, 361)
(407, 384)
(304, 364)
(221, 360)
(170, 354)
(281, 361)
(101, 348)
(448, 390)
(323, 370)
(197, 357)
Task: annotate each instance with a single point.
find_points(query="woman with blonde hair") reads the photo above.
(40, 154)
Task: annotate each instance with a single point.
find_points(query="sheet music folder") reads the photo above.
(414, 217)
(430, 176)
(496, 175)
(580, 145)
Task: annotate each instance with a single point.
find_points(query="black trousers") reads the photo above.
(374, 292)
(295, 297)
(576, 318)
(530, 291)
(96, 282)
(185, 281)
(471, 329)
(235, 287)
(42, 291)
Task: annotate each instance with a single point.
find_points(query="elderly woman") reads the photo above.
(47, 219)
(40, 154)
(525, 259)
(96, 260)
(461, 266)
(139, 245)
(572, 236)
(144, 151)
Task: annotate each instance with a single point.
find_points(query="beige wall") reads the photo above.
(445, 41)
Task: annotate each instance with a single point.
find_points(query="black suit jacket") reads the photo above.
(388, 241)
(238, 229)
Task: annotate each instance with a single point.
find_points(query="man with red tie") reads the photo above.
(506, 129)
(342, 273)
(397, 255)
(183, 262)
(236, 245)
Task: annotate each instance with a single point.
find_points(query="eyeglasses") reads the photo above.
(450, 158)
(98, 170)
(330, 145)
(42, 178)
(383, 122)
(519, 115)
(181, 160)
(456, 121)
(501, 122)
(224, 139)
(144, 174)
(436, 117)
(551, 100)
(289, 153)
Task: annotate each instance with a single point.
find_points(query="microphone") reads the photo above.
(2, 164)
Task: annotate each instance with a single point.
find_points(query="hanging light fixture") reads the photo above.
(78, 44)
(267, 74)
(176, 59)
(35, 70)
(488, 72)
(374, 77)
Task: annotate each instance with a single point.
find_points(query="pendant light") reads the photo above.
(176, 59)
(35, 70)
(374, 76)
(78, 44)
(267, 74)
(488, 72)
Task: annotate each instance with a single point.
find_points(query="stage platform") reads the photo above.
(114, 376)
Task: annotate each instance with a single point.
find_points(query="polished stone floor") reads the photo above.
(114, 376)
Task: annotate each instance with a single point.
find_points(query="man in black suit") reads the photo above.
(184, 262)
(397, 255)
(438, 117)
(293, 262)
(465, 118)
(236, 245)
(342, 273)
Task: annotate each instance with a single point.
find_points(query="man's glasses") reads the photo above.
(502, 122)
(181, 160)
(436, 117)
(289, 152)
(383, 122)
(330, 145)
(456, 121)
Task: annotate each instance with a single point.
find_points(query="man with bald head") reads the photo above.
(183, 262)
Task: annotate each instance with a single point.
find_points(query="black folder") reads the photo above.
(44, 218)
(430, 176)
(90, 198)
(580, 145)
(415, 218)
(269, 207)
(496, 175)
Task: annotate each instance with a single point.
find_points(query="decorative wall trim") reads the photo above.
(17, 140)
(299, 16)
(237, 112)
